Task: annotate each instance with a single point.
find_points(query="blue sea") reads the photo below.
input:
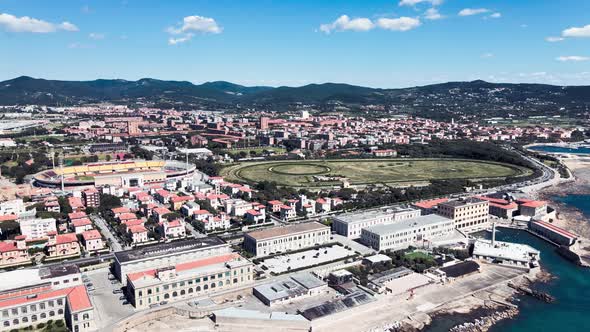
(560, 149)
(571, 288)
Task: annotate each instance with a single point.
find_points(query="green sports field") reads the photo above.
(319, 173)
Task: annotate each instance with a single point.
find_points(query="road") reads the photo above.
(116, 244)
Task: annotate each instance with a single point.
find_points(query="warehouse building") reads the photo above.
(351, 224)
(285, 238)
(166, 254)
(296, 287)
(403, 234)
(553, 233)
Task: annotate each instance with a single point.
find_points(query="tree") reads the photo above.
(107, 157)
(108, 202)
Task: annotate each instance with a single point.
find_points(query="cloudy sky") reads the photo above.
(287, 42)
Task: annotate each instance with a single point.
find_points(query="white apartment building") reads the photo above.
(15, 206)
(37, 228)
(470, 214)
(237, 207)
(281, 239)
(400, 235)
(351, 224)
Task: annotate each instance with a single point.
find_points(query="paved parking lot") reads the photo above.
(108, 308)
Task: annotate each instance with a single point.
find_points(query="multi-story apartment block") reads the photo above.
(280, 239)
(13, 253)
(351, 224)
(470, 214)
(91, 197)
(402, 234)
(37, 228)
(62, 245)
(92, 241)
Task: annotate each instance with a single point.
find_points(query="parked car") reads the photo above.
(114, 282)
(117, 291)
(122, 298)
(125, 302)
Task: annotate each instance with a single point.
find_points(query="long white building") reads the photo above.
(403, 234)
(351, 224)
(281, 239)
(37, 228)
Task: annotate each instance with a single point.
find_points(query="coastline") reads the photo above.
(569, 217)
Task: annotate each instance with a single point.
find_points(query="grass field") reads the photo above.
(368, 171)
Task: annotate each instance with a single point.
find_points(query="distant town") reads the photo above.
(122, 218)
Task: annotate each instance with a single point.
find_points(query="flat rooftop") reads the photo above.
(167, 249)
(371, 214)
(270, 233)
(33, 276)
(417, 222)
(463, 202)
(505, 250)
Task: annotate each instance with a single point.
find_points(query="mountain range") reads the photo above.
(451, 95)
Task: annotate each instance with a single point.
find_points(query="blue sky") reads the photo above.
(286, 42)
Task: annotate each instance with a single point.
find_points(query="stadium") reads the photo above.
(129, 173)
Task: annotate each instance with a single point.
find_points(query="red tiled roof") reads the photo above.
(66, 238)
(81, 222)
(186, 266)
(430, 203)
(127, 216)
(7, 246)
(137, 229)
(534, 204)
(8, 217)
(91, 235)
(555, 228)
(76, 215)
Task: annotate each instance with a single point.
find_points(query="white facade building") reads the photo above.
(351, 224)
(402, 234)
(281, 239)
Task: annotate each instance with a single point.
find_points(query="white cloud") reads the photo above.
(398, 24)
(432, 14)
(496, 15)
(344, 23)
(487, 55)
(96, 36)
(554, 39)
(572, 58)
(29, 24)
(190, 26)
(473, 11)
(577, 32)
(524, 26)
(412, 3)
(179, 40)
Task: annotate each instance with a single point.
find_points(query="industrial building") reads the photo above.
(285, 238)
(402, 234)
(506, 253)
(553, 233)
(166, 254)
(33, 296)
(296, 287)
(469, 214)
(351, 224)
